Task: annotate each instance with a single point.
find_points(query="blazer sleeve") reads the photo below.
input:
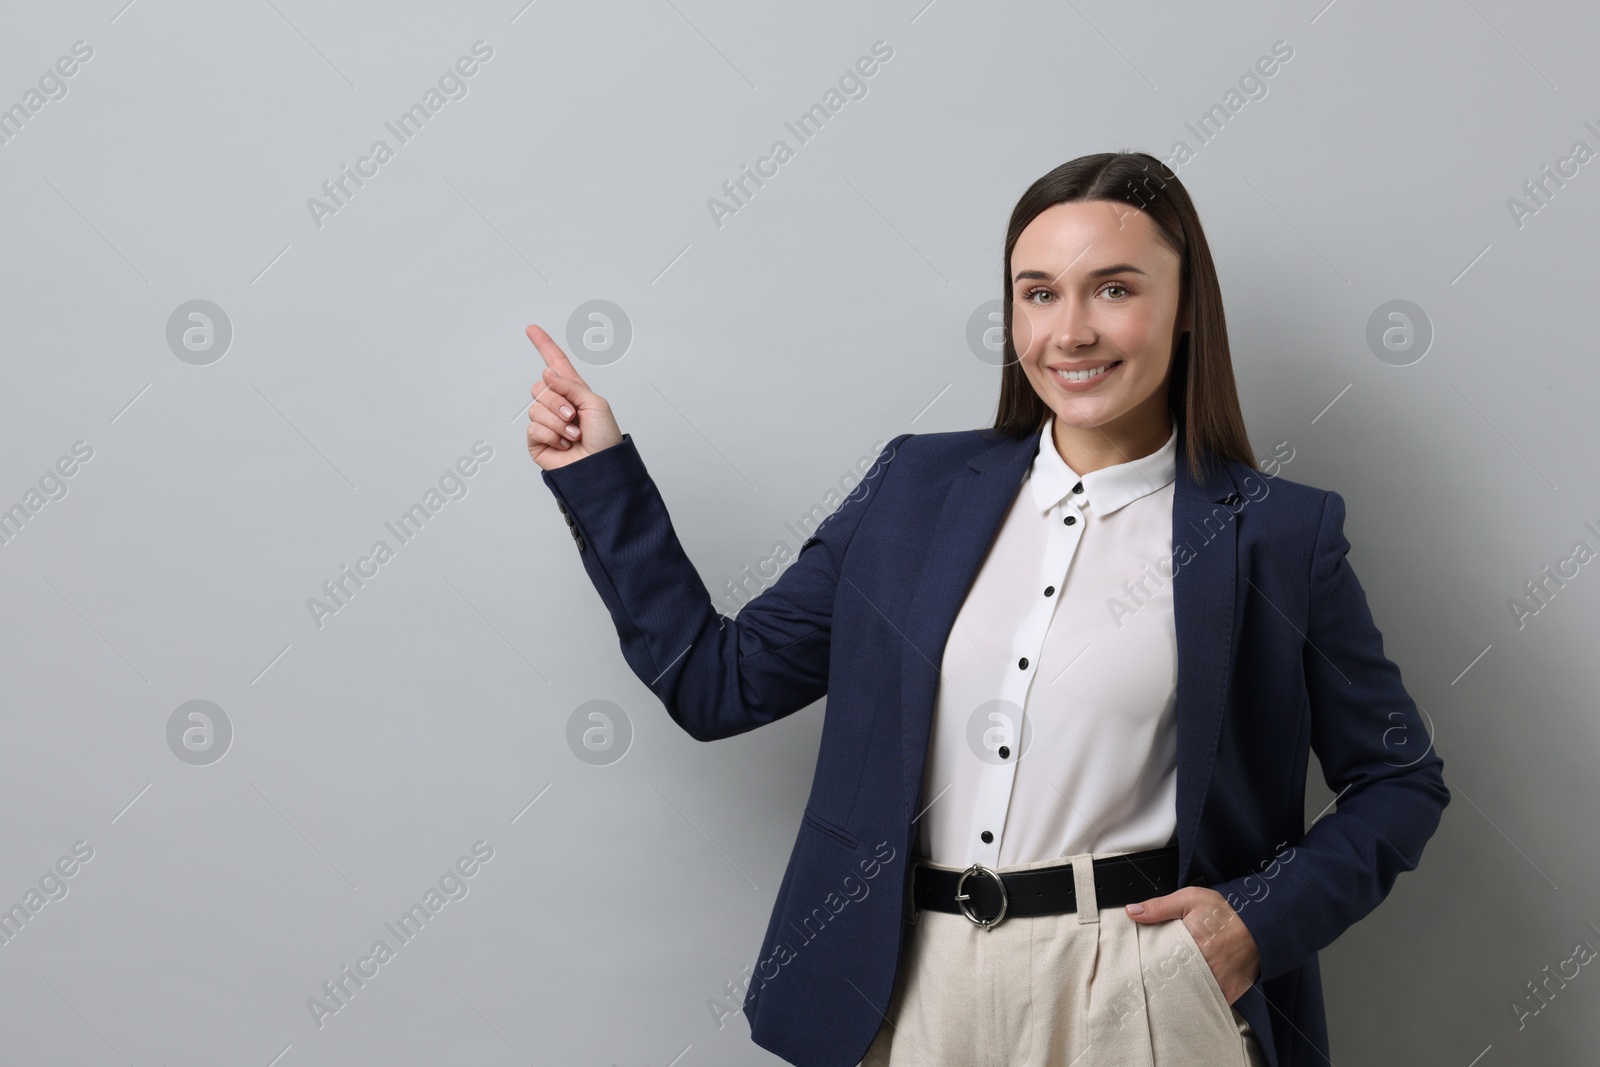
(717, 676)
(1375, 752)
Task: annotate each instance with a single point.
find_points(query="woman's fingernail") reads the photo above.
(1135, 909)
(566, 412)
(572, 431)
(563, 444)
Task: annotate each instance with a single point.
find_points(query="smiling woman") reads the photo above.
(1098, 339)
(1099, 901)
(1103, 294)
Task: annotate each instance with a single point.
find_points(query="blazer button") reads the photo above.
(580, 542)
(1197, 880)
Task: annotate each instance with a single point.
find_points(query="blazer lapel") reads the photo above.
(1205, 559)
(1203, 595)
(974, 506)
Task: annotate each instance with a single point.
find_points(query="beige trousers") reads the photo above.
(1090, 988)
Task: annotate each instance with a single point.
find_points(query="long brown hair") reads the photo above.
(1201, 394)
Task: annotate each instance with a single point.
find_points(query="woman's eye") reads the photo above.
(1122, 293)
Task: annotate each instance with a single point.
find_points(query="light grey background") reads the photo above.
(769, 354)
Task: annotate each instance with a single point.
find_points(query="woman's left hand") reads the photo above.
(1225, 942)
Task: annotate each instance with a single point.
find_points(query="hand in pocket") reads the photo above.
(1222, 937)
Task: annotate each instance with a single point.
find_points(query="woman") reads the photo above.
(1100, 582)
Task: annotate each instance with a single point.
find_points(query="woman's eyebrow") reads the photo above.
(1100, 272)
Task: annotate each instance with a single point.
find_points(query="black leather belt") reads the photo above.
(986, 896)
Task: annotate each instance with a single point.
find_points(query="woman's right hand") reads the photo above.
(561, 390)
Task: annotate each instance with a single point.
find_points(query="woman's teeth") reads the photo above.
(1083, 376)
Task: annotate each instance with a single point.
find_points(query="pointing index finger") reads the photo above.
(554, 358)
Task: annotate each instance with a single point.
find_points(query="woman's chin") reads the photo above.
(1085, 414)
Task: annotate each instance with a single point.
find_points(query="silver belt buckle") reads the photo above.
(962, 898)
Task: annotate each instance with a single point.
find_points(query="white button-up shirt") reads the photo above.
(1055, 731)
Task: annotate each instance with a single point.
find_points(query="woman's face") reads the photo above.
(1094, 287)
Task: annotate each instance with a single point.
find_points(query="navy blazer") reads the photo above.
(1277, 653)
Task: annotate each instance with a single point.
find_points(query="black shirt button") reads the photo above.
(1004, 752)
(1023, 663)
(1070, 519)
(987, 837)
(1049, 590)
(1078, 488)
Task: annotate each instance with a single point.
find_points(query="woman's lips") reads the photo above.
(1089, 383)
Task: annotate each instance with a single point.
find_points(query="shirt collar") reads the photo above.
(1104, 490)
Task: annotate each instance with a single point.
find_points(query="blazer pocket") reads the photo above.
(838, 833)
